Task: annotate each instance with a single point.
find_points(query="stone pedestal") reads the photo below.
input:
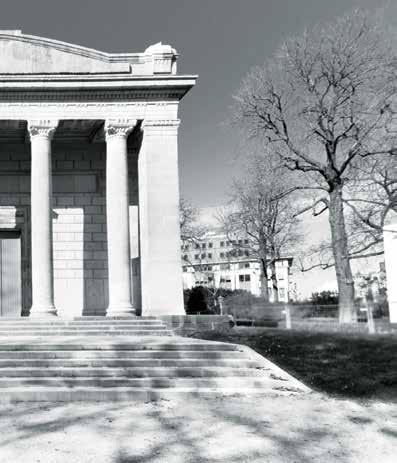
(161, 270)
(41, 133)
(117, 212)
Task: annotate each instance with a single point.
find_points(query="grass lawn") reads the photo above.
(348, 365)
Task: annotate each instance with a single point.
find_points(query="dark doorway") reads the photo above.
(10, 274)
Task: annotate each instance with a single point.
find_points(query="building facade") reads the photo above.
(218, 261)
(89, 219)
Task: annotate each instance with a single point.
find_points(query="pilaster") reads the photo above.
(162, 292)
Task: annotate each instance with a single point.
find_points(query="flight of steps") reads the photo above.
(101, 358)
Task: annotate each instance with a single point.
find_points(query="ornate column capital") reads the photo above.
(44, 128)
(119, 127)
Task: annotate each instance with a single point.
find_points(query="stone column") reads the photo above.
(41, 132)
(117, 216)
(161, 271)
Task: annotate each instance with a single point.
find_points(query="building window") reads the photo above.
(247, 253)
(243, 278)
(209, 255)
(240, 241)
(222, 243)
(210, 245)
(246, 241)
(225, 266)
(184, 269)
(203, 256)
(197, 246)
(203, 246)
(196, 256)
(247, 265)
(240, 252)
(185, 257)
(222, 255)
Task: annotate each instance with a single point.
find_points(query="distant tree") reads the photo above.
(262, 210)
(197, 301)
(324, 101)
(191, 229)
(325, 298)
(371, 198)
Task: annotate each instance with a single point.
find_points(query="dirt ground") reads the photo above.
(282, 429)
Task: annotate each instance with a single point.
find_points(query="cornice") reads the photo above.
(86, 95)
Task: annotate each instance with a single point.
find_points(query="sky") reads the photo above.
(220, 40)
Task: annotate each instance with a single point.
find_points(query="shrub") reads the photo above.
(325, 298)
(197, 302)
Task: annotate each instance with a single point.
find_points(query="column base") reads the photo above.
(43, 312)
(118, 311)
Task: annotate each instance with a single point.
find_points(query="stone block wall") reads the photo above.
(79, 222)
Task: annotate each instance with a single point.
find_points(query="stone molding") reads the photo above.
(159, 126)
(118, 128)
(138, 110)
(42, 128)
(92, 95)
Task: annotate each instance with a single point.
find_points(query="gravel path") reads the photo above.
(292, 429)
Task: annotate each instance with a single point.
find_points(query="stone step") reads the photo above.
(15, 329)
(134, 372)
(127, 363)
(79, 324)
(159, 382)
(81, 318)
(145, 344)
(83, 332)
(65, 394)
(124, 354)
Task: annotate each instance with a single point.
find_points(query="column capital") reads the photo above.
(42, 128)
(119, 127)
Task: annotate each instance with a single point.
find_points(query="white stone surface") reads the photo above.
(159, 219)
(41, 133)
(117, 213)
(81, 86)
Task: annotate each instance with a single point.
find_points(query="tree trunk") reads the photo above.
(344, 277)
(263, 281)
(274, 281)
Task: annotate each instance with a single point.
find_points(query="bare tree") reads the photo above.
(371, 198)
(262, 211)
(191, 229)
(322, 102)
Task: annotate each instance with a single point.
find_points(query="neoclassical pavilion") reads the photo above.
(88, 179)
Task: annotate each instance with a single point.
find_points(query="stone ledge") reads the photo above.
(185, 324)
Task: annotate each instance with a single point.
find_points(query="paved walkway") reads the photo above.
(290, 429)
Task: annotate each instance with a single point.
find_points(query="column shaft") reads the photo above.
(41, 218)
(117, 216)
